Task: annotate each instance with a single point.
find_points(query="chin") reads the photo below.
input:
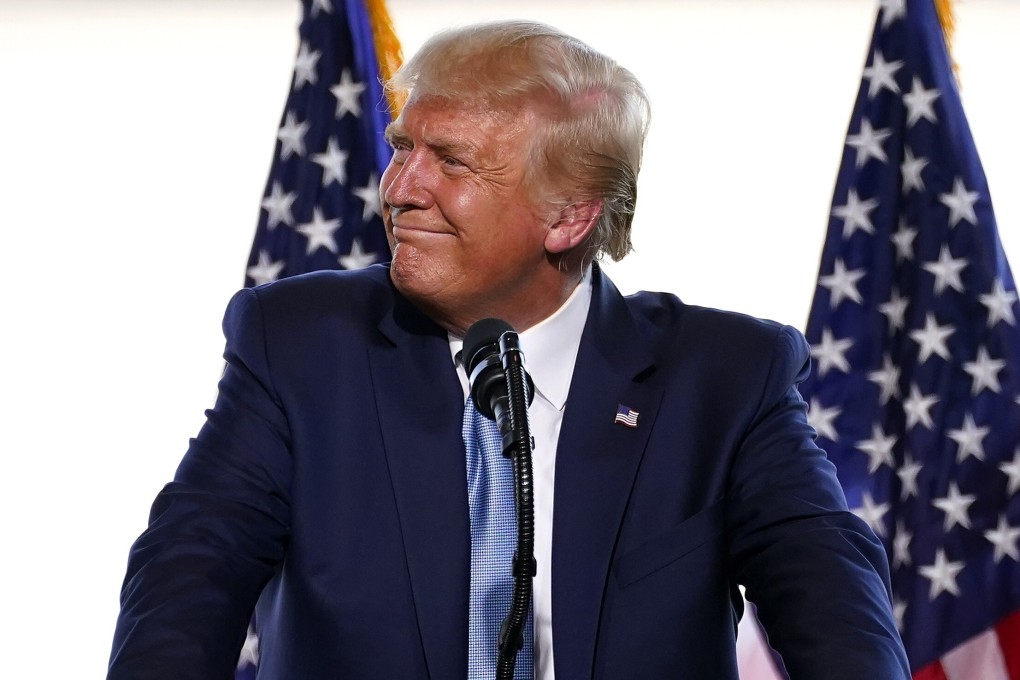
(426, 284)
(414, 275)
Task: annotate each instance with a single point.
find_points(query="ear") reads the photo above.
(572, 226)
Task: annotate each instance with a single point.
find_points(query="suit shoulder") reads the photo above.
(711, 342)
(732, 360)
(347, 293)
(325, 282)
(670, 314)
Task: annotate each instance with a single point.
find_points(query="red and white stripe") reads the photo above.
(992, 655)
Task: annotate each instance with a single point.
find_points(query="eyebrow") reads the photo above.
(395, 133)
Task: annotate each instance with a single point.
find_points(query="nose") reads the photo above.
(405, 184)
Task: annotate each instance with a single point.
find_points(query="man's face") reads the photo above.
(467, 238)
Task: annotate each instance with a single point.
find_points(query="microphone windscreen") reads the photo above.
(482, 333)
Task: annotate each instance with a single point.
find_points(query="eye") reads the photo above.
(400, 152)
(452, 162)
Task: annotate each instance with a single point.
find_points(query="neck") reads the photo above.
(520, 312)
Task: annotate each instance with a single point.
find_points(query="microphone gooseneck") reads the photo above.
(502, 390)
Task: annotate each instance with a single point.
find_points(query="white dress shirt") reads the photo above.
(550, 350)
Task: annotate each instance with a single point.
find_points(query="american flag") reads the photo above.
(916, 349)
(321, 204)
(625, 415)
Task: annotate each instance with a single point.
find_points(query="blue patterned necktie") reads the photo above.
(490, 484)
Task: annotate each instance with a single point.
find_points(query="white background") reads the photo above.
(136, 140)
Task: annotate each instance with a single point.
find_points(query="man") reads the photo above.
(330, 476)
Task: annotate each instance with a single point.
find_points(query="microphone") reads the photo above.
(484, 368)
(493, 358)
(502, 391)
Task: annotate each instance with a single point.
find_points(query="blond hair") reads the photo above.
(596, 111)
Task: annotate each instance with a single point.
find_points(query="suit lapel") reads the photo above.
(420, 406)
(596, 464)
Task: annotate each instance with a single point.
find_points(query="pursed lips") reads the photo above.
(404, 232)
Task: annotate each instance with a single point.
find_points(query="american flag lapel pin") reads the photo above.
(625, 415)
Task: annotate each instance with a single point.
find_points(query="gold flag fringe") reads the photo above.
(387, 48)
(944, 9)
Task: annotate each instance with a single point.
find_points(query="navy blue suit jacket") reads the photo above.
(329, 477)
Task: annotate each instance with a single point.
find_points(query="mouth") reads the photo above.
(405, 232)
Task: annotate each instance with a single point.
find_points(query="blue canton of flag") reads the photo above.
(916, 353)
(321, 206)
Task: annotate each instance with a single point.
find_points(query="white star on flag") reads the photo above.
(1004, 538)
(960, 203)
(369, 194)
(891, 11)
(895, 310)
(855, 214)
(984, 372)
(942, 574)
(917, 408)
(932, 338)
(899, 610)
(347, 93)
(872, 513)
(822, 419)
(901, 545)
(947, 271)
(831, 353)
(879, 448)
(1012, 471)
(842, 283)
(881, 74)
(292, 137)
(333, 162)
(955, 504)
(903, 239)
(907, 472)
(968, 439)
(1000, 304)
(887, 379)
(304, 66)
(278, 205)
(357, 258)
(320, 232)
(911, 169)
(265, 270)
(324, 5)
(919, 103)
(868, 144)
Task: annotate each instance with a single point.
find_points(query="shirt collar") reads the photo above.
(550, 347)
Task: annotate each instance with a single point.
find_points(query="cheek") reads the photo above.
(467, 205)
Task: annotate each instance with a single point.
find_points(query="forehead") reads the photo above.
(472, 122)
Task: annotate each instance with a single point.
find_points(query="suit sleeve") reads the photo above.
(816, 572)
(217, 532)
